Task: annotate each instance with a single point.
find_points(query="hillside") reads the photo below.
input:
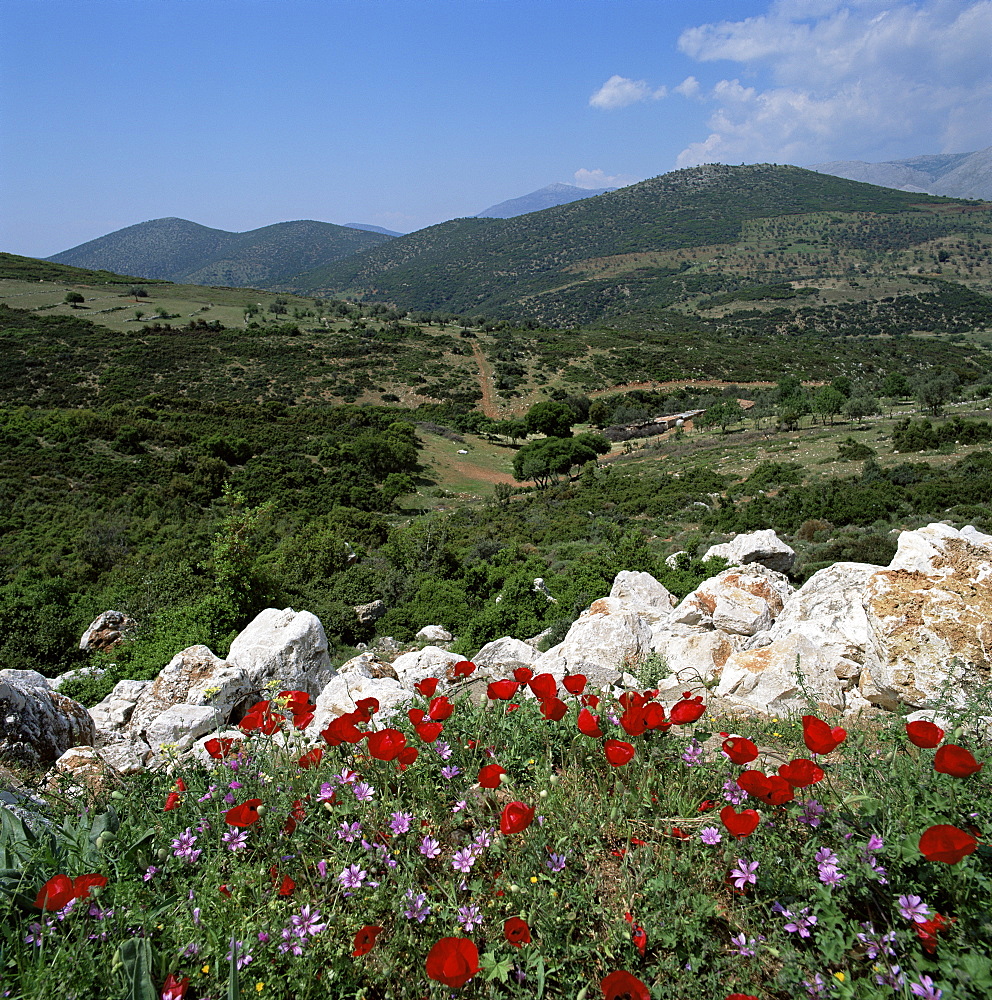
(647, 255)
(956, 175)
(536, 201)
(179, 250)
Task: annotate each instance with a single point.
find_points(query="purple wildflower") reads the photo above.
(710, 835)
(451, 771)
(442, 749)
(235, 840)
(463, 860)
(352, 877)
(149, 873)
(556, 862)
(244, 957)
(364, 791)
(801, 923)
(733, 793)
(349, 831)
(742, 945)
(469, 916)
(744, 873)
(305, 922)
(693, 754)
(926, 989)
(400, 822)
(418, 909)
(182, 847)
(812, 813)
(913, 908)
(429, 847)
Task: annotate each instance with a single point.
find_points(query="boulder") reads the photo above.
(85, 772)
(195, 677)
(829, 611)
(125, 752)
(178, 727)
(763, 547)
(283, 651)
(345, 690)
(37, 724)
(606, 641)
(369, 613)
(115, 711)
(431, 661)
(694, 656)
(641, 589)
(930, 613)
(433, 633)
(56, 683)
(105, 631)
(741, 600)
(501, 657)
(768, 678)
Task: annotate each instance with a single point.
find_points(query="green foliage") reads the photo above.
(850, 450)
(922, 435)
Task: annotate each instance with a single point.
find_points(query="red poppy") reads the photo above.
(553, 709)
(416, 716)
(406, 757)
(172, 800)
(544, 686)
(453, 961)
(622, 985)
(769, 788)
(589, 724)
(221, 747)
(502, 690)
(686, 711)
(654, 716)
(364, 940)
(819, 737)
(928, 930)
(244, 814)
(260, 718)
(739, 824)
(640, 938)
(925, 735)
(428, 731)
(296, 815)
(740, 749)
(516, 931)
(618, 753)
(174, 989)
(440, 708)
(946, 843)
(590, 700)
(955, 761)
(512, 707)
(287, 886)
(801, 773)
(342, 730)
(426, 687)
(523, 674)
(489, 776)
(55, 893)
(463, 668)
(312, 758)
(574, 684)
(82, 884)
(516, 816)
(224, 891)
(365, 708)
(633, 720)
(386, 744)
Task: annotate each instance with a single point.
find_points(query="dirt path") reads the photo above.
(488, 404)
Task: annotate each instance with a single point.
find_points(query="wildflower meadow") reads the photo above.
(533, 839)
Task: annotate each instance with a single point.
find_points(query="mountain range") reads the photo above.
(183, 251)
(536, 201)
(955, 175)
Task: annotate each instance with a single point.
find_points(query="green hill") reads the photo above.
(179, 250)
(649, 252)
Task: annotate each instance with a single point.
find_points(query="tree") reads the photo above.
(828, 402)
(935, 391)
(551, 419)
(137, 292)
(73, 299)
(896, 385)
(860, 407)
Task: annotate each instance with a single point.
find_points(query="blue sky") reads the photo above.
(404, 113)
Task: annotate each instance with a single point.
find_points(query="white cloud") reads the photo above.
(599, 179)
(619, 92)
(847, 80)
(689, 87)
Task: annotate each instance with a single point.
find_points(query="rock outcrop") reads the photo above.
(763, 547)
(105, 631)
(37, 724)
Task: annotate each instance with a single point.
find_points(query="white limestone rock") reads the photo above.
(742, 600)
(433, 634)
(642, 590)
(343, 692)
(37, 724)
(431, 661)
(501, 657)
(105, 631)
(179, 726)
(195, 676)
(283, 650)
(763, 547)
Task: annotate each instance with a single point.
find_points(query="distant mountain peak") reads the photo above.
(547, 197)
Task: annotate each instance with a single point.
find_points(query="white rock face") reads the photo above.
(87, 770)
(766, 678)
(344, 691)
(180, 726)
(115, 711)
(641, 589)
(194, 677)
(763, 547)
(105, 631)
(126, 753)
(695, 656)
(603, 643)
(37, 724)
(500, 657)
(431, 661)
(930, 613)
(287, 649)
(741, 601)
(434, 633)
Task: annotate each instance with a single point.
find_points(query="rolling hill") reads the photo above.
(536, 201)
(956, 175)
(179, 250)
(650, 254)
